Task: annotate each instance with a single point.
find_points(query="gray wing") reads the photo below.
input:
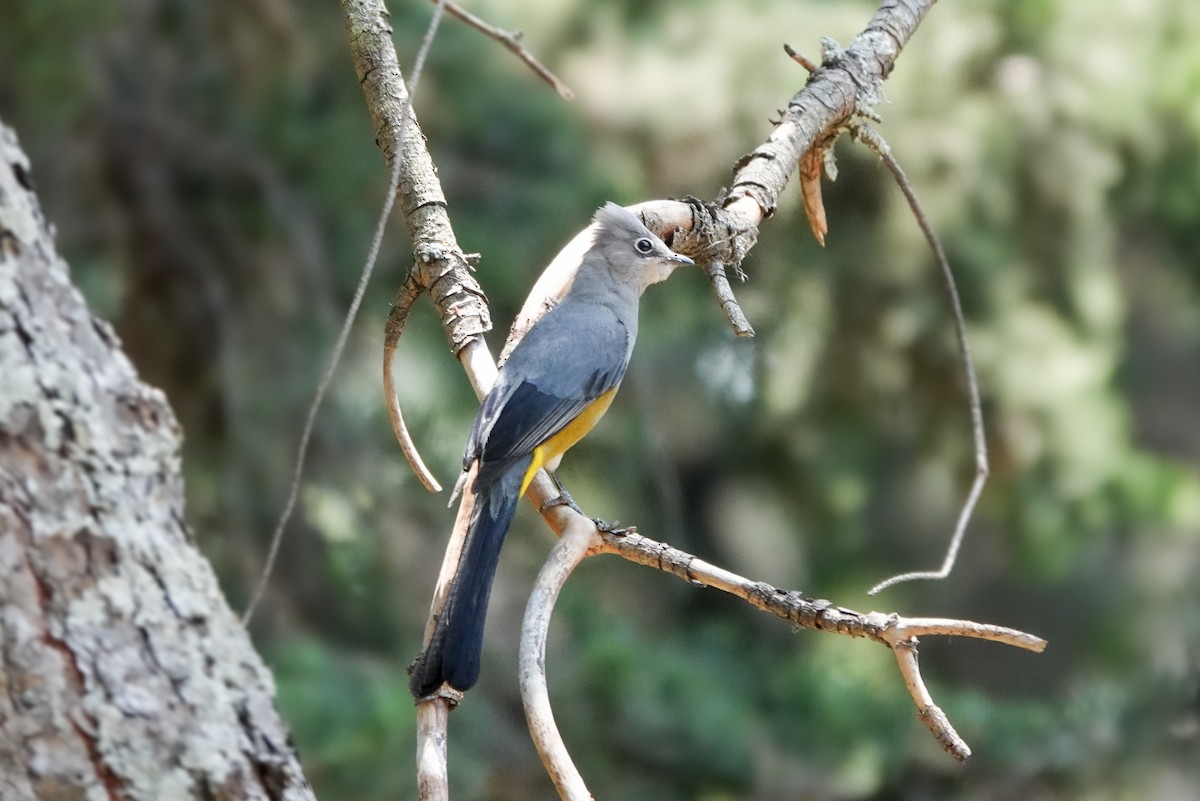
(572, 356)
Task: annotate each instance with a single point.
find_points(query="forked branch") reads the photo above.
(582, 539)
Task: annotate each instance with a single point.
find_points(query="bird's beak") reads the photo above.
(680, 259)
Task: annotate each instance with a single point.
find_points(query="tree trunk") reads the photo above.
(123, 673)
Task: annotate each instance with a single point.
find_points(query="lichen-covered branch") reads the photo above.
(439, 264)
(725, 229)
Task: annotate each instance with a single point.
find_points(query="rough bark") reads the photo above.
(123, 672)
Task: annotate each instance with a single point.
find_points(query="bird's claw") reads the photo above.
(615, 528)
(562, 499)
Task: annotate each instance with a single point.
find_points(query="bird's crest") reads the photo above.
(619, 221)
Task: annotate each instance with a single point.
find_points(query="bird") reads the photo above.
(555, 386)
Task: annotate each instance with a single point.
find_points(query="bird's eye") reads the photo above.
(644, 245)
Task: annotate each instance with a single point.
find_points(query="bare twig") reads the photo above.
(512, 41)
(876, 143)
(949, 627)
(344, 335)
(929, 713)
(724, 292)
(800, 59)
(395, 326)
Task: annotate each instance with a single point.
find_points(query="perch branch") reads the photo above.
(896, 632)
(886, 629)
(432, 728)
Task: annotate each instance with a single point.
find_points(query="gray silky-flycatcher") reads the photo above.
(555, 386)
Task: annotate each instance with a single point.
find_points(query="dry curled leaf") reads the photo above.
(810, 189)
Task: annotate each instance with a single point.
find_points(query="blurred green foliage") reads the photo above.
(213, 177)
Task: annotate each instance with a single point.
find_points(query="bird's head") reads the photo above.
(631, 253)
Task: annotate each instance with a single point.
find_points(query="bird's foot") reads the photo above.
(562, 499)
(615, 528)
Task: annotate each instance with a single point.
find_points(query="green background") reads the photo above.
(214, 181)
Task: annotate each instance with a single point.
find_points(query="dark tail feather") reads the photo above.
(452, 655)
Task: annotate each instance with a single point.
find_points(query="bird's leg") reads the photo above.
(563, 498)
